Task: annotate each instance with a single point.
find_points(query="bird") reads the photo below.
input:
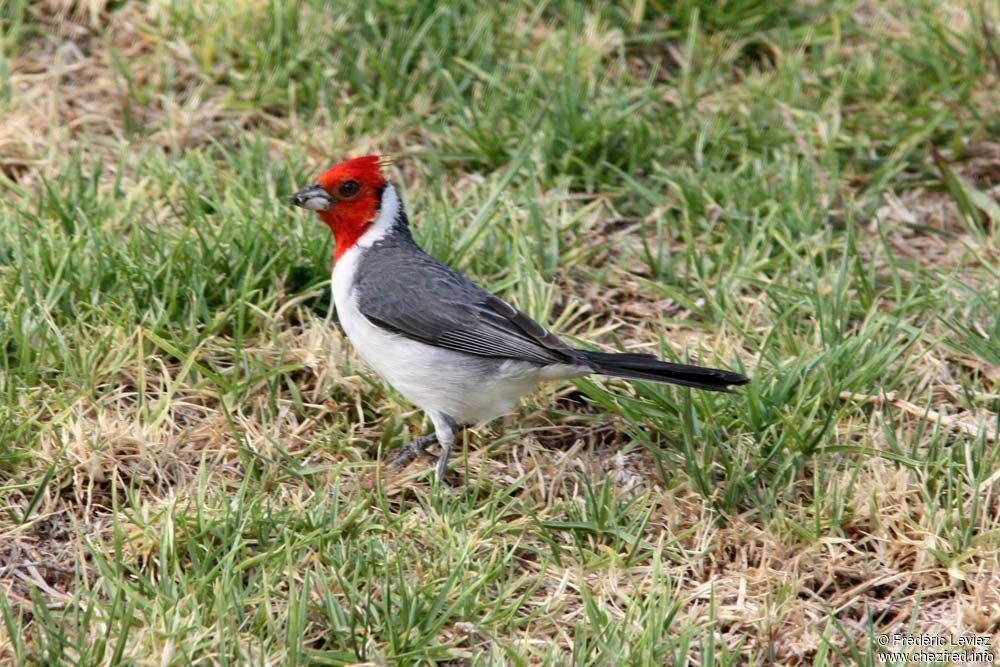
(456, 351)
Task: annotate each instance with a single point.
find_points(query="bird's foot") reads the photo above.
(411, 450)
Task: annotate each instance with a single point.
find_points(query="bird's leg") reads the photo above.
(446, 429)
(411, 450)
(442, 466)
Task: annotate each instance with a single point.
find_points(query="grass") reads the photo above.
(189, 448)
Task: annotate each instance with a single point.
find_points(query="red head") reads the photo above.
(347, 198)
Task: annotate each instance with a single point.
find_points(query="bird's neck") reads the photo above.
(346, 235)
(350, 230)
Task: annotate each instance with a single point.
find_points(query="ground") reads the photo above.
(189, 448)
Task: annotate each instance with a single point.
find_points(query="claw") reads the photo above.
(411, 450)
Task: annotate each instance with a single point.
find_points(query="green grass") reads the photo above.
(188, 453)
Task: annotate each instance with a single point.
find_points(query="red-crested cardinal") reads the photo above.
(450, 347)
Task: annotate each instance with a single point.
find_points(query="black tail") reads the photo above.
(648, 367)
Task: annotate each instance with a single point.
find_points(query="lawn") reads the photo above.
(807, 192)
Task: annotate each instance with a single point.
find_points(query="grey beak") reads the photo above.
(313, 197)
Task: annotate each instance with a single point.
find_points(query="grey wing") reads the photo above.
(416, 296)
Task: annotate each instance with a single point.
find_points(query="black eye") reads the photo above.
(349, 188)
